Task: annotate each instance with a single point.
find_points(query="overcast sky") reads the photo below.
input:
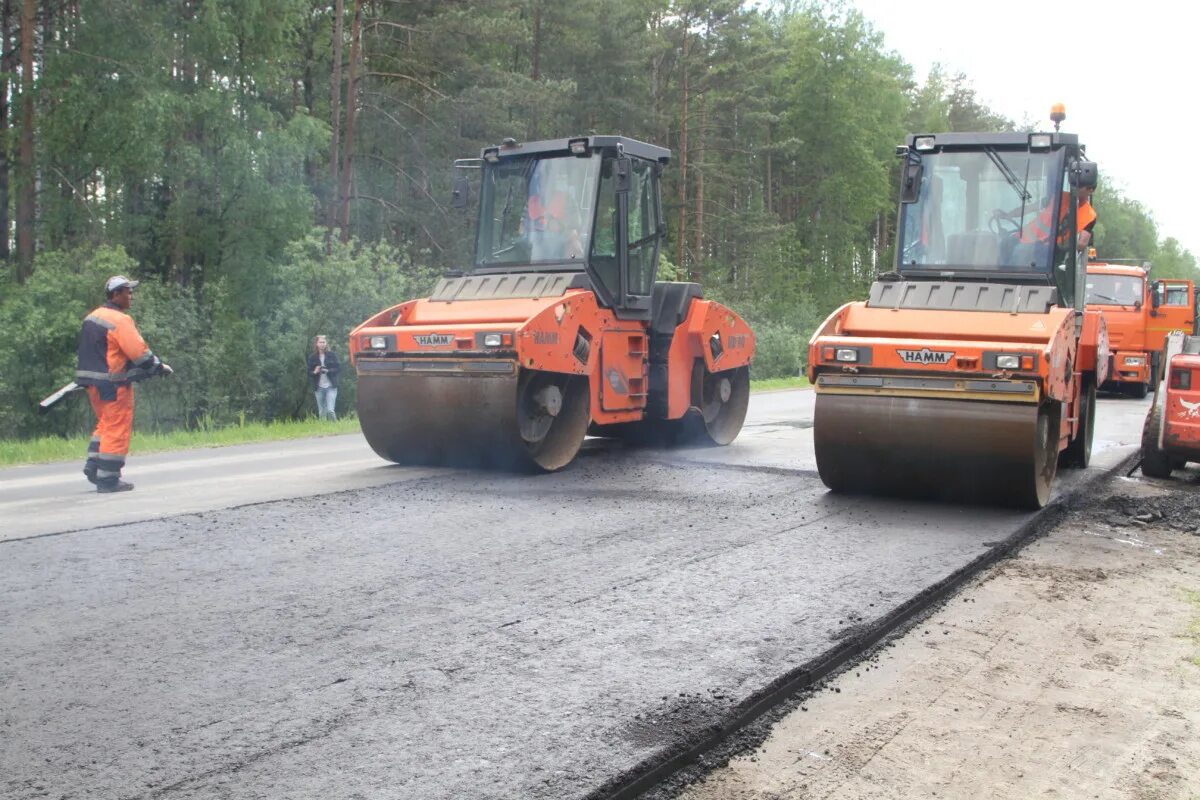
(1126, 72)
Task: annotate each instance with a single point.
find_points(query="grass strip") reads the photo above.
(775, 384)
(56, 448)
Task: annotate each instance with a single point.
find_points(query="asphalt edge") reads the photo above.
(651, 773)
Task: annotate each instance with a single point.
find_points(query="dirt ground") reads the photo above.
(1069, 671)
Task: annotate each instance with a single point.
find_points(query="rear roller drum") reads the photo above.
(1079, 451)
(721, 399)
(552, 417)
(719, 403)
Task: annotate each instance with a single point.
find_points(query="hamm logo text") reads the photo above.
(926, 356)
(434, 339)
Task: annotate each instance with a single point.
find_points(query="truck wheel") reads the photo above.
(1079, 451)
(1155, 463)
(1139, 391)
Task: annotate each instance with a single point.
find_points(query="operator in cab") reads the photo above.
(1040, 228)
(552, 216)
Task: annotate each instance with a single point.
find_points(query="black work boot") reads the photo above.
(114, 486)
(89, 471)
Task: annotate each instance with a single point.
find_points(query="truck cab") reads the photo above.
(1139, 313)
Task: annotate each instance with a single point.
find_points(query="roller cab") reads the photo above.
(558, 329)
(969, 374)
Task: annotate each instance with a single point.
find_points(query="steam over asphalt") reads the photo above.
(445, 634)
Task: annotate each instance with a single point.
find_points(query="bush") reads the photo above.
(238, 350)
(781, 352)
(41, 321)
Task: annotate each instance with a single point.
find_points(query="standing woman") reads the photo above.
(323, 368)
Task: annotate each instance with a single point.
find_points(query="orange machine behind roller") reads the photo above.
(972, 370)
(1171, 436)
(1139, 314)
(560, 328)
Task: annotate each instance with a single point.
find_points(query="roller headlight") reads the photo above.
(925, 143)
(491, 340)
(846, 354)
(1135, 361)
(377, 343)
(1008, 362)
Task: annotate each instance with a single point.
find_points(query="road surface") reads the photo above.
(302, 620)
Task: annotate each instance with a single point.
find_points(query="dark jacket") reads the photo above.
(112, 352)
(332, 367)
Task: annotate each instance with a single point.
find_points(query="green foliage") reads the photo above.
(1172, 261)
(190, 143)
(781, 350)
(235, 355)
(41, 320)
(1124, 229)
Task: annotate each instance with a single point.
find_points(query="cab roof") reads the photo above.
(1105, 268)
(561, 147)
(974, 140)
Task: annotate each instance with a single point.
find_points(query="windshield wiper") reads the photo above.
(1008, 174)
(1110, 299)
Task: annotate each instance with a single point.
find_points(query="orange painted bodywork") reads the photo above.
(544, 332)
(1137, 333)
(1181, 412)
(1053, 356)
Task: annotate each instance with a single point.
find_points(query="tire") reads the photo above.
(1079, 451)
(1155, 462)
(1138, 391)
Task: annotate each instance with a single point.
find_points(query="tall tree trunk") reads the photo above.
(698, 248)
(351, 116)
(335, 113)
(7, 64)
(536, 72)
(681, 237)
(770, 199)
(27, 189)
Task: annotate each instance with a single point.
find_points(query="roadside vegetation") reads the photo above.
(47, 449)
(271, 171)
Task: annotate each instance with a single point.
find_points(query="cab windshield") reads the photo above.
(536, 211)
(984, 210)
(1114, 290)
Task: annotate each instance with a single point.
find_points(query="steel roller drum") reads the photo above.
(957, 450)
(473, 420)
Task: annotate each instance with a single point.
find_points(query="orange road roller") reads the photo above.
(970, 372)
(1171, 436)
(559, 328)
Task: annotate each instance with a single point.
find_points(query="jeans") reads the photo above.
(326, 400)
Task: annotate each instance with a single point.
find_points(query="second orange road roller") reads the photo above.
(970, 372)
(559, 328)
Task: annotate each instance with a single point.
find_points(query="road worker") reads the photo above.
(112, 357)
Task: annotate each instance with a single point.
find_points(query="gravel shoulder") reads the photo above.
(1071, 670)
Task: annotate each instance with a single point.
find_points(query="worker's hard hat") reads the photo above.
(119, 282)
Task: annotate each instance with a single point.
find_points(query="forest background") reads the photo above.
(273, 169)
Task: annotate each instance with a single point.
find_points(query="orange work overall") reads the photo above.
(112, 357)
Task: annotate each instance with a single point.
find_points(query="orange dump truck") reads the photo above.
(971, 371)
(1139, 313)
